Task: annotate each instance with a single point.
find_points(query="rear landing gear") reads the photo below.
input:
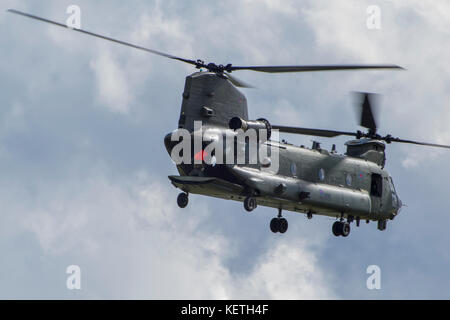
(250, 204)
(183, 200)
(341, 228)
(335, 228)
(279, 224)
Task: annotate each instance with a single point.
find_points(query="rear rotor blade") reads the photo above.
(211, 66)
(104, 37)
(313, 132)
(237, 82)
(367, 111)
(283, 69)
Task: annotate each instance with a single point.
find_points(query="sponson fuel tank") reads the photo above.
(315, 196)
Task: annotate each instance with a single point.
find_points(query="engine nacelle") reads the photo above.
(260, 124)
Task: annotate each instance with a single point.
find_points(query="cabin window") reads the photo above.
(376, 186)
(348, 179)
(293, 169)
(321, 174)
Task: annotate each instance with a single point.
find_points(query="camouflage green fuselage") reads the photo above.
(307, 180)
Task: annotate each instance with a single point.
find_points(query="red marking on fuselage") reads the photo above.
(200, 155)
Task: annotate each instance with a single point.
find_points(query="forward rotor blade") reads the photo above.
(237, 82)
(283, 69)
(313, 132)
(389, 139)
(103, 37)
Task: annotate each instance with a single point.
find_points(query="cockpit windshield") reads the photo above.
(391, 185)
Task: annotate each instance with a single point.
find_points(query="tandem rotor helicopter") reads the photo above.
(350, 187)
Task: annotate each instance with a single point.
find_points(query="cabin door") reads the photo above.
(376, 192)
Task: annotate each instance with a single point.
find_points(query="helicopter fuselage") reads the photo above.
(312, 181)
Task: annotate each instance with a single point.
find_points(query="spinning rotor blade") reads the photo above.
(283, 69)
(313, 132)
(237, 82)
(389, 139)
(367, 112)
(358, 134)
(103, 37)
(213, 67)
(367, 106)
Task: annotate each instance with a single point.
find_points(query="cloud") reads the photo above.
(76, 187)
(287, 271)
(113, 90)
(152, 249)
(285, 7)
(408, 38)
(121, 78)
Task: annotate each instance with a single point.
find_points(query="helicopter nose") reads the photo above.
(400, 205)
(168, 142)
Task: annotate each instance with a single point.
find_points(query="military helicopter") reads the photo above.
(350, 187)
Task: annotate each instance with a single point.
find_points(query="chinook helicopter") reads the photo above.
(313, 181)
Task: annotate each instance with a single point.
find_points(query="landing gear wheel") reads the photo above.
(275, 225)
(341, 229)
(336, 228)
(345, 229)
(250, 204)
(182, 200)
(283, 225)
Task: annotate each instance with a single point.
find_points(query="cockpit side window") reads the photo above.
(391, 185)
